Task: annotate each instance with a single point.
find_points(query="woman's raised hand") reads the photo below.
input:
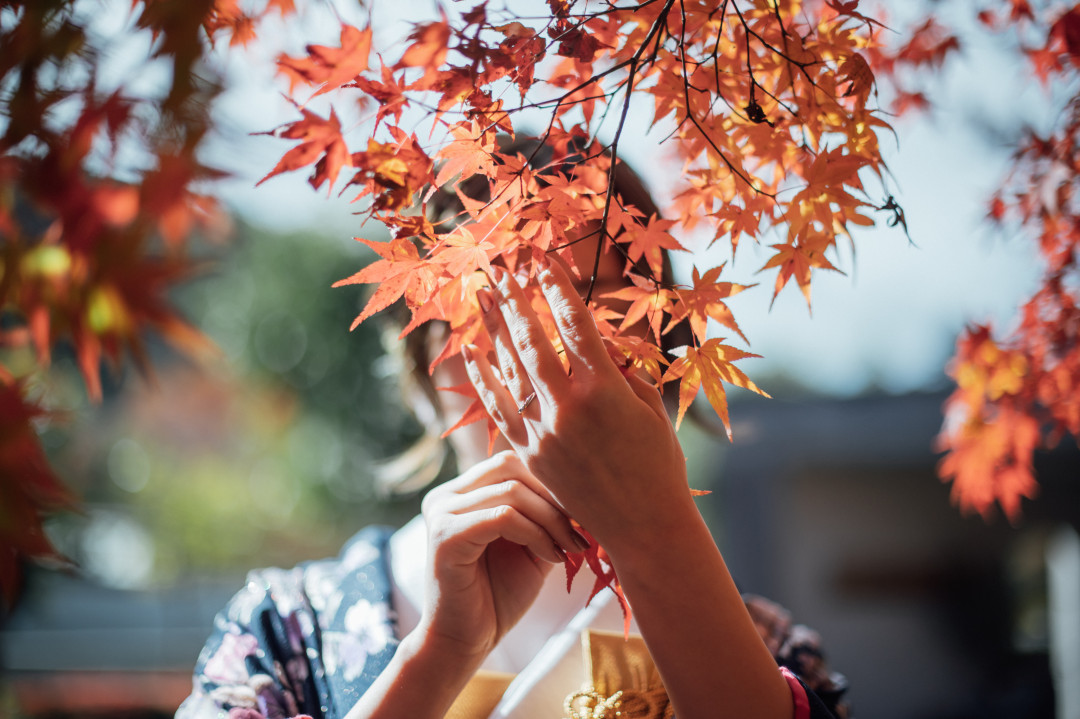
(603, 445)
(601, 442)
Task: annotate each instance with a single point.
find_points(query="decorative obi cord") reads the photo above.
(624, 682)
(621, 683)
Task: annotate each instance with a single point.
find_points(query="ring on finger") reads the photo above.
(525, 404)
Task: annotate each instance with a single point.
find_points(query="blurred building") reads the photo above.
(73, 648)
(833, 509)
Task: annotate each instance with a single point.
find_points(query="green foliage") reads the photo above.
(267, 455)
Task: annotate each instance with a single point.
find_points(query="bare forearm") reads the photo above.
(698, 631)
(418, 683)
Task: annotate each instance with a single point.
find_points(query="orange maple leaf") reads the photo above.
(706, 300)
(648, 301)
(429, 47)
(650, 242)
(467, 154)
(795, 261)
(398, 258)
(708, 367)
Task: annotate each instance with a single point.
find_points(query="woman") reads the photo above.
(377, 633)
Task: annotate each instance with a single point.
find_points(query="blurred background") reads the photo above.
(827, 501)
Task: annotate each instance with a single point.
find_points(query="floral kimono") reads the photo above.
(309, 642)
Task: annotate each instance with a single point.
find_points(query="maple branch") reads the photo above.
(780, 20)
(694, 120)
(746, 26)
(593, 15)
(661, 19)
(716, 49)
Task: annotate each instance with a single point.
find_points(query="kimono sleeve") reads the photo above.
(303, 642)
(253, 665)
(797, 649)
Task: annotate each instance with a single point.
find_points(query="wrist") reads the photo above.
(416, 663)
(673, 526)
(427, 644)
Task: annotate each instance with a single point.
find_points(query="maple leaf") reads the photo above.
(708, 367)
(163, 195)
(706, 300)
(321, 143)
(733, 222)
(30, 489)
(989, 461)
(463, 253)
(1066, 32)
(648, 302)
(639, 354)
(603, 572)
(283, 7)
(429, 47)
(579, 44)
(227, 17)
(856, 71)
(330, 67)
(929, 45)
(393, 172)
(475, 412)
(797, 262)
(467, 154)
(398, 258)
(650, 242)
(390, 94)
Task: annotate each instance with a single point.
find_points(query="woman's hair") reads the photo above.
(415, 352)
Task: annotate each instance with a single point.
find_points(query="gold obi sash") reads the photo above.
(480, 696)
(621, 681)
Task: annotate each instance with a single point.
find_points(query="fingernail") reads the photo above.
(466, 353)
(545, 271)
(485, 301)
(561, 552)
(502, 277)
(580, 541)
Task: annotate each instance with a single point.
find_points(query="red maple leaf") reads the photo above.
(321, 143)
(330, 67)
(390, 94)
(399, 258)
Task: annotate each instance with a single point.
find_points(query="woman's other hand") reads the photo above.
(493, 534)
(601, 442)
